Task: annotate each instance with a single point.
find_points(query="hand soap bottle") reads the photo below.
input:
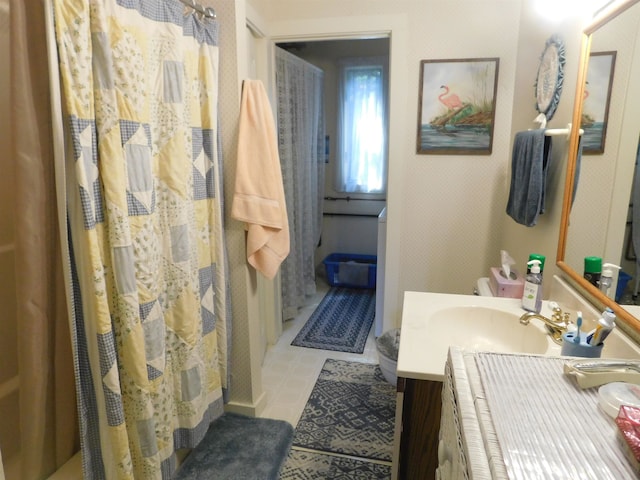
(536, 256)
(606, 279)
(532, 295)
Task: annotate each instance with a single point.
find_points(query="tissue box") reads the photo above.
(502, 286)
(628, 422)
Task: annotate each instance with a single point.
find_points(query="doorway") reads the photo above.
(349, 222)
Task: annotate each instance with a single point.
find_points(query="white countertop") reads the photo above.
(432, 322)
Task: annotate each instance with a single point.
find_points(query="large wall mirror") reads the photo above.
(597, 218)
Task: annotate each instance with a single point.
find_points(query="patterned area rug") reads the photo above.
(341, 322)
(307, 465)
(346, 428)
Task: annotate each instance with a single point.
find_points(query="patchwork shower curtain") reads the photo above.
(302, 153)
(150, 326)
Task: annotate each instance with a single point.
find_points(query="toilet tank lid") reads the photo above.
(483, 288)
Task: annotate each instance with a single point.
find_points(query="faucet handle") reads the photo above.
(555, 308)
(558, 315)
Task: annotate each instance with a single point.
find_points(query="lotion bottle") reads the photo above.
(606, 283)
(532, 294)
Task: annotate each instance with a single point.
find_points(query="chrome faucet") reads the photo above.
(557, 325)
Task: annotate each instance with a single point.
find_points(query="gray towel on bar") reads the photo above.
(529, 164)
(576, 175)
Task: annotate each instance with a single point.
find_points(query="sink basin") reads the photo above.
(488, 329)
(433, 322)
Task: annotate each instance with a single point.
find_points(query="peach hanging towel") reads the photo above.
(258, 199)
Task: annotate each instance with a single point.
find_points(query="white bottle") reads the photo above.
(606, 279)
(532, 294)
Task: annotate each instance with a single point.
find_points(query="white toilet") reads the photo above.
(482, 288)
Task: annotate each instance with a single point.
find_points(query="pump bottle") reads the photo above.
(532, 294)
(607, 279)
(536, 256)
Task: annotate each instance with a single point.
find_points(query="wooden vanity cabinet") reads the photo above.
(419, 438)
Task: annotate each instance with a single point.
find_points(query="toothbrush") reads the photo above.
(576, 339)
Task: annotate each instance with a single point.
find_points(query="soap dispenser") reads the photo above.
(532, 295)
(536, 256)
(609, 273)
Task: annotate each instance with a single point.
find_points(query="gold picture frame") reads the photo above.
(596, 99)
(456, 106)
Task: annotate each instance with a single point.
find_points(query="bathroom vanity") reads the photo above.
(510, 416)
(433, 325)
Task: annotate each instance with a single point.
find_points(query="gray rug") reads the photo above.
(346, 427)
(239, 447)
(341, 322)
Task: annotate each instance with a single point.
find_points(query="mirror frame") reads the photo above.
(625, 320)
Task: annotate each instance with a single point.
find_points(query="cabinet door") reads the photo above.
(420, 429)
(452, 464)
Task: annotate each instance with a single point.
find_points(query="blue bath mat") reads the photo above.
(239, 447)
(341, 322)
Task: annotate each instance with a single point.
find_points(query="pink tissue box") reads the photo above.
(502, 286)
(628, 421)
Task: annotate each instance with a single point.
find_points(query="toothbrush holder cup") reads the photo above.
(582, 349)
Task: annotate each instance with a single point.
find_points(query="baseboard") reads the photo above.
(251, 410)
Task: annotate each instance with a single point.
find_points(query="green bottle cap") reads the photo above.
(538, 256)
(592, 264)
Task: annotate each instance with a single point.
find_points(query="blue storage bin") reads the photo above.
(351, 270)
(623, 280)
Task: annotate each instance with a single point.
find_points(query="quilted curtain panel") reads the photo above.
(150, 326)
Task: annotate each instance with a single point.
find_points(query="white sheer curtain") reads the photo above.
(362, 126)
(301, 148)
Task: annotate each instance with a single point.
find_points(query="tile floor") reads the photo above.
(289, 373)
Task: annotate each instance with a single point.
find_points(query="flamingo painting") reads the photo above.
(452, 102)
(586, 92)
(457, 106)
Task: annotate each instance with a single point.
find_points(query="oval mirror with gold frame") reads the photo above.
(627, 317)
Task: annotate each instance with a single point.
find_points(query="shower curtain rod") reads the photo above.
(208, 12)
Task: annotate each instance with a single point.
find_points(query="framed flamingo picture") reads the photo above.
(457, 104)
(595, 102)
